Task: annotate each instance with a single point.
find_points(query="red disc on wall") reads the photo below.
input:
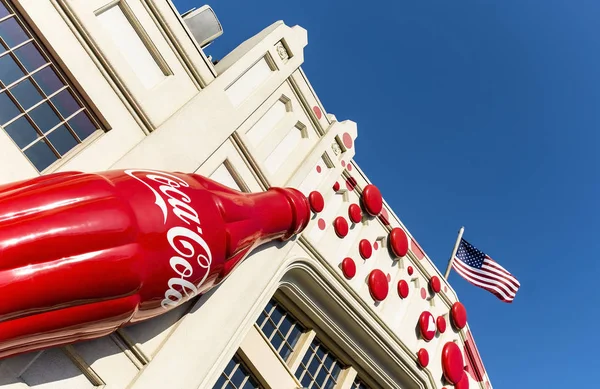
(423, 357)
(459, 315)
(441, 324)
(452, 363)
(336, 186)
(317, 112)
(347, 140)
(316, 201)
(341, 226)
(403, 289)
(427, 326)
(348, 268)
(354, 213)
(372, 200)
(398, 242)
(435, 284)
(365, 249)
(378, 285)
(463, 383)
(410, 270)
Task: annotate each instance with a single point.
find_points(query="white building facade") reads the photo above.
(351, 303)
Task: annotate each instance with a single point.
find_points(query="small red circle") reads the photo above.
(349, 167)
(343, 163)
(321, 224)
(452, 363)
(372, 200)
(347, 140)
(463, 383)
(398, 242)
(365, 249)
(341, 226)
(354, 213)
(423, 357)
(427, 326)
(403, 289)
(459, 315)
(316, 201)
(351, 183)
(317, 112)
(336, 186)
(385, 217)
(441, 324)
(410, 270)
(375, 245)
(445, 288)
(348, 268)
(318, 169)
(435, 284)
(423, 293)
(378, 285)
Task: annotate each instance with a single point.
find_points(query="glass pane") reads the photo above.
(40, 155)
(261, 319)
(82, 125)
(314, 365)
(320, 353)
(285, 326)
(30, 57)
(328, 362)
(12, 33)
(62, 140)
(285, 352)
(230, 366)
(26, 93)
(238, 376)
(44, 117)
(48, 80)
(276, 340)
(306, 380)
(329, 384)
(22, 132)
(277, 314)
(335, 372)
(294, 336)
(8, 110)
(220, 382)
(9, 70)
(251, 384)
(322, 377)
(268, 328)
(65, 103)
(3, 11)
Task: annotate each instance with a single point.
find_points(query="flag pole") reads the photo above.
(460, 234)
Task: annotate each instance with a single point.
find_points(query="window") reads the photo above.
(282, 330)
(42, 114)
(358, 384)
(237, 376)
(319, 368)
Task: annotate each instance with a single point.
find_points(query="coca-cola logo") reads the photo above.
(185, 240)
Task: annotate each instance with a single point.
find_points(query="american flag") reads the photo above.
(481, 270)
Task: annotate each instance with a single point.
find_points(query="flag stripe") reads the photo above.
(491, 289)
(484, 282)
(484, 276)
(489, 268)
(494, 265)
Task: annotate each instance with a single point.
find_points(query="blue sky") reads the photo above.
(483, 114)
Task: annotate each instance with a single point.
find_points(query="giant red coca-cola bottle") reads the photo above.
(83, 254)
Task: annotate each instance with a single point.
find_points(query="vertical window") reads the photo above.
(42, 114)
(237, 376)
(282, 330)
(319, 369)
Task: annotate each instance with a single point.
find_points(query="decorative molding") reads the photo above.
(282, 50)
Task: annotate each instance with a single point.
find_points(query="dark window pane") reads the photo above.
(285, 325)
(30, 57)
(238, 376)
(9, 70)
(294, 336)
(261, 319)
(285, 352)
(65, 103)
(8, 109)
(314, 365)
(336, 370)
(62, 140)
(276, 340)
(322, 377)
(26, 93)
(306, 381)
(220, 382)
(12, 33)
(329, 384)
(44, 117)
(328, 362)
(82, 125)
(22, 132)
(48, 80)
(251, 384)
(277, 314)
(320, 352)
(3, 11)
(40, 155)
(268, 328)
(230, 366)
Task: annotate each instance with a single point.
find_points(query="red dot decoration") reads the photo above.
(375, 245)
(403, 289)
(354, 213)
(459, 315)
(349, 167)
(347, 140)
(341, 226)
(343, 163)
(317, 112)
(316, 201)
(372, 200)
(452, 363)
(378, 285)
(427, 326)
(445, 289)
(463, 383)
(336, 186)
(423, 357)
(410, 270)
(384, 216)
(321, 224)
(423, 293)
(365, 249)
(348, 268)
(318, 169)
(435, 284)
(351, 183)
(441, 324)
(398, 242)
